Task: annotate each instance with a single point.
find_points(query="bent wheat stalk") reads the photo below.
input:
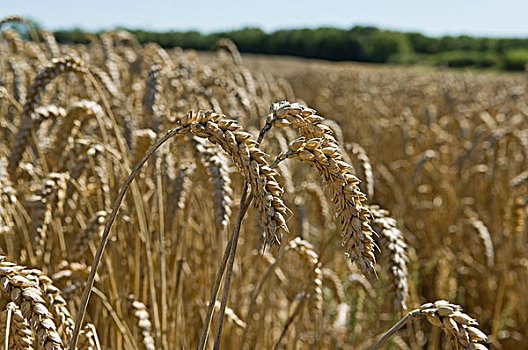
(244, 152)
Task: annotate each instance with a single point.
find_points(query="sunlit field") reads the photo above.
(253, 202)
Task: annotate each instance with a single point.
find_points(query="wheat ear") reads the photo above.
(520, 179)
(485, 236)
(19, 80)
(23, 136)
(20, 19)
(51, 192)
(15, 329)
(27, 295)
(143, 322)
(393, 245)
(54, 301)
(347, 199)
(461, 329)
(51, 43)
(217, 167)
(327, 157)
(362, 156)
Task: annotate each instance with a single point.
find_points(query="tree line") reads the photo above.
(362, 44)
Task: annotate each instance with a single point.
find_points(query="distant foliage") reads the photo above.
(362, 44)
(515, 59)
(466, 59)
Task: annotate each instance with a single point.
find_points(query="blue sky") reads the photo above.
(473, 17)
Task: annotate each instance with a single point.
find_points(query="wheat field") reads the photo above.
(168, 199)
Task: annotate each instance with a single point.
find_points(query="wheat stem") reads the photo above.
(244, 205)
(394, 329)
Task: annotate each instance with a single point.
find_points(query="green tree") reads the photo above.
(383, 44)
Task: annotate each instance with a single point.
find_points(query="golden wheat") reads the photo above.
(444, 152)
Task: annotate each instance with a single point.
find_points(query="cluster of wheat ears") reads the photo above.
(153, 199)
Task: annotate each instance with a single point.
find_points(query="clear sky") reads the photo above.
(453, 17)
